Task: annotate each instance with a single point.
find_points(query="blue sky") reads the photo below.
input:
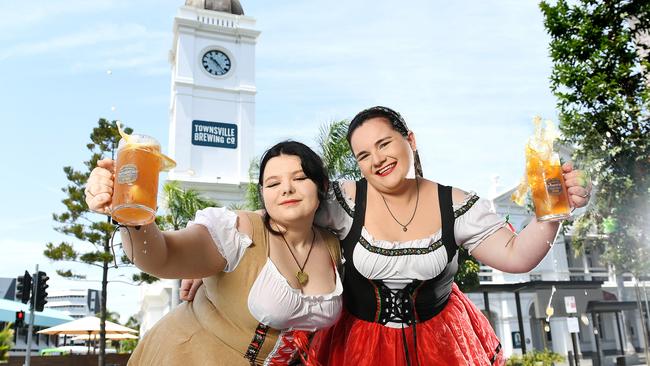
(468, 76)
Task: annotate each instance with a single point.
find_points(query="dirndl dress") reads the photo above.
(247, 314)
(401, 305)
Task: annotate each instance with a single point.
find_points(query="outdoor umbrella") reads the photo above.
(86, 326)
(110, 337)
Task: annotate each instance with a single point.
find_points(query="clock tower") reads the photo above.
(212, 111)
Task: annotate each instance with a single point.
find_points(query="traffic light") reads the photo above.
(41, 292)
(24, 287)
(20, 320)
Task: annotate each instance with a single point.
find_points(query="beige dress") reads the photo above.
(217, 327)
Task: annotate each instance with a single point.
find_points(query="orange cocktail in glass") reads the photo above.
(135, 190)
(544, 174)
(547, 187)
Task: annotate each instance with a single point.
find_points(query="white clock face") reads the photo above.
(216, 62)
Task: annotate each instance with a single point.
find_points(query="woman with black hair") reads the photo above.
(270, 279)
(400, 235)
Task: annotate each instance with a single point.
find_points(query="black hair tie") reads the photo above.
(112, 243)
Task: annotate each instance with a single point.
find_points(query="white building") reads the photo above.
(582, 277)
(212, 115)
(76, 303)
(156, 300)
(42, 320)
(212, 107)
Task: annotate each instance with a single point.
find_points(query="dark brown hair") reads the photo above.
(311, 164)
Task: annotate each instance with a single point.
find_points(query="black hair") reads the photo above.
(396, 121)
(311, 164)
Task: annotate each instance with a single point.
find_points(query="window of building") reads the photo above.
(601, 329)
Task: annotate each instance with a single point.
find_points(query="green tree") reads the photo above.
(128, 345)
(111, 316)
(600, 78)
(335, 151)
(6, 337)
(535, 358)
(182, 205)
(253, 199)
(94, 248)
(467, 275)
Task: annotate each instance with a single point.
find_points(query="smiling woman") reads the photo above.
(270, 280)
(400, 235)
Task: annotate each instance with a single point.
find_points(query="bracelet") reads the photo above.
(137, 227)
(112, 242)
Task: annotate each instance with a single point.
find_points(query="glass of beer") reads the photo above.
(135, 188)
(544, 176)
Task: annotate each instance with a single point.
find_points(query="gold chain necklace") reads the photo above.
(301, 275)
(417, 199)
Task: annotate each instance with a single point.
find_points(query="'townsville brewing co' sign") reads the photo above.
(215, 134)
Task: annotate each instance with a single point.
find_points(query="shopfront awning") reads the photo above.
(532, 286)
(610, 306)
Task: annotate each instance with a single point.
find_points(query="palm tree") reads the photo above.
(182, 205)
(336, 152)
(253, 199)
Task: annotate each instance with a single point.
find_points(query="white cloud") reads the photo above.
(17, 16)
(106, 33)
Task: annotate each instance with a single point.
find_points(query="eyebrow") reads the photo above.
(292, 173)
(378, 142)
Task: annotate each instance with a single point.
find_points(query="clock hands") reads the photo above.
(221, 68)
(213, 58)
(216, 63)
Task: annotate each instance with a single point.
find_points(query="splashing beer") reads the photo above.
(544, 175)
(135, 189)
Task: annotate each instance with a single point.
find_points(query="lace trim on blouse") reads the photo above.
(467, 203)
(341, 199)
(399, 251)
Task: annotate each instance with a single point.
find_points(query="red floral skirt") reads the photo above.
(459, 335)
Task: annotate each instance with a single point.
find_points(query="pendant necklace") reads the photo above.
(417, 199)
(301, 275)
